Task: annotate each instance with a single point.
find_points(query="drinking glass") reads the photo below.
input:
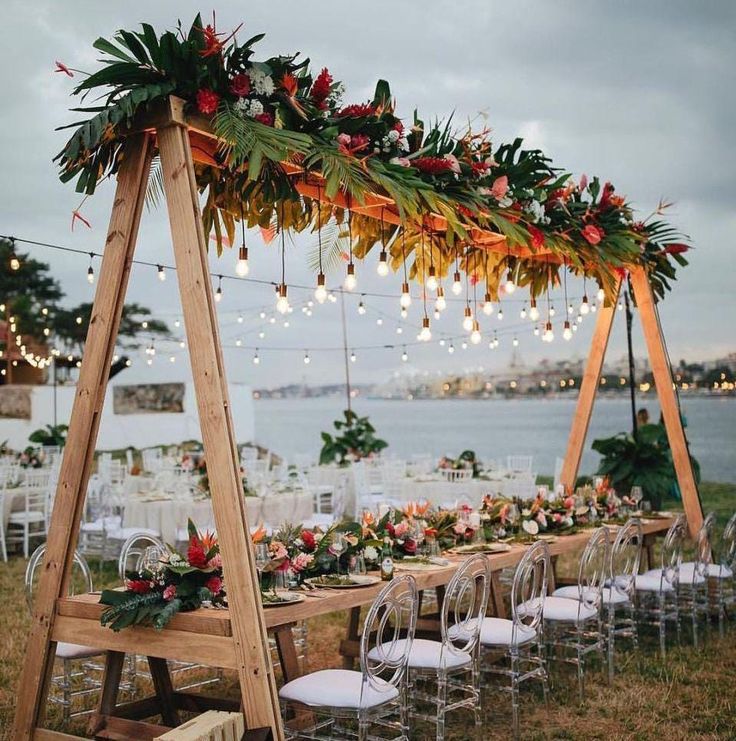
(337, 547)
(149, 560)
(357, 565)
(417, 533)
(262, 559)
(636, 495)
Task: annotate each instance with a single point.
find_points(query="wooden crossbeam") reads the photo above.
(82, 436)
(588, 390)
(664, 383)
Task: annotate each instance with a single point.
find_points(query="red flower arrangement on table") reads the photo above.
(153, 595)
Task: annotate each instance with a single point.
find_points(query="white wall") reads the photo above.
(123, 430)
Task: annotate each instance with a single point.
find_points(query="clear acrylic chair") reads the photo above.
(617, 598)
(369, 698)
(656, 590)
(574, 628)
(77, 678)
(692, 591)
(520, 639)
(452, 662)
(721, 574)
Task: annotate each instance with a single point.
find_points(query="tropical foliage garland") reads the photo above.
(276, 111)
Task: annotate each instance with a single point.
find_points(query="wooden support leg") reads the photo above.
(83, 425)
(667, 399)
(499, 609)
(257, 683)
(114, 661)
(164, 690)
(351, 635)
(284, 637)
(588, 391)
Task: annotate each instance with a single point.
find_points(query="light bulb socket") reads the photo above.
(383, 256)
(431, 272)
(351, 268)
(440, 292)
(425, 322)
(456, 277)
(243, 253)
(476, 325)
(321, 280)
(281, 290)
(468, 312)
(405, 288)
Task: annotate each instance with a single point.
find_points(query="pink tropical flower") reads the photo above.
(593, 234)
(302, 561)
(500, 187)
(215, 562)
(170, 592)
(401, 529)
(454, 164)
(343, 139)
(583, 182)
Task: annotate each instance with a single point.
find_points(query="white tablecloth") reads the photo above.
(440, 492)
(168, 516)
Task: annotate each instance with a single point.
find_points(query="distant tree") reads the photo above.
(132, 333)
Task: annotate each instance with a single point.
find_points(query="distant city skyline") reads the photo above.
(646, 103)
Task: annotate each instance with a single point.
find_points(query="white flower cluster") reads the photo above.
(393, 137)
(175, 559)
(249, 108)
(536, 210)
(370, 553)
(506, 201)
(261, 83)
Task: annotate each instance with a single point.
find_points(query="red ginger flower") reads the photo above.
(196, 555)
(265, 118)
(240, 84)
(214, 584)
(357, 110)
(309, 540)
(139, 586)
(593, 234)
(675, 248)
(321, 89)
(207, 101)
(432, 165)
(537, 237)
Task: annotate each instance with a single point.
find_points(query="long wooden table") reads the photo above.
(205, 636)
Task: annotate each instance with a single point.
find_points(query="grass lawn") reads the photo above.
(687, 696)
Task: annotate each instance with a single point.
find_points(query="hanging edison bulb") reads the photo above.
(90, 275)
(548, 335)
(509, 286)
(499, 316)
(457, 286)
(320, 292)
(515, 341)
(552, 311)
(432, 279)
(475, 337)
(14, 261)
(242, 268)
(522, 313)
(404, 355)
(361, 308)
(594, 308)
(256, 358)
(451, 349)
(382, 267)
(601, 295)
(307, 359)
(487, 304)
(533, 310)
(440, 304)
(426, 334)
(570, 309)
(405, 299)
(160, 273)
(567, 331)
(350, 279)
(353, 357)
(584, 306)
(468, 319)
(282, 302)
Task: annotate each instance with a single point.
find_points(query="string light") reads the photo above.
(426, 334)
(509, 286)
(522, 313)
(468, 319)
(533, 310)
(620, 306)
(382, 267)
(307, 359)
(405, 300)
(548, 335)
(432, 283)
(241, 266)
(515, 341)
(601, 295)
(218, 292)
(451, 349)
(14, 260)
(593, 308)
(353, 358)
(457, 285)
(404, 355)
(552, 311)
(487, 304)
(379, 321)
(361, 308)
(256, 358)
(584, 305)
(499, 316)
(567, 331)
(91, 270)
(161, 273)
(282, 302)
(536, 330)
(403, 313)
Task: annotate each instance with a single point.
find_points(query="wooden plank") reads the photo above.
(588, 390)
(114, 661)
(208, 622)
(166, 644)
(44, 734)
(197, 703)
(83, 427)
(249, 642)
(286, 649)
(124, 729)
(667, 399)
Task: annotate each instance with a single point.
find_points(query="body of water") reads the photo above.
(496, 428)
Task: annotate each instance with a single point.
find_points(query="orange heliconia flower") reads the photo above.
(259, 534)
(289, 83)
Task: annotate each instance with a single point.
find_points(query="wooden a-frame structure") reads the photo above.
(236, 638)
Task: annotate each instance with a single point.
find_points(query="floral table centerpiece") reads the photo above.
(153, 595)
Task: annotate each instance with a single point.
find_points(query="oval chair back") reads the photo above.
(83, 578)
(388, 633)
(594, 570)
(529, 588)
(704, 547)
(727, 556)
(464, 605)
(134, 549)
(672, 552)
(626, 557)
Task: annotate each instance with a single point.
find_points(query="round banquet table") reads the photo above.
(168, 516)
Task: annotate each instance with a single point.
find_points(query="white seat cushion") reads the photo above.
(337, 688)
(499, 632)
(716, 571)
(608, 595)
(651, 583)
(21, 518)
(686, 575)
(565, 610)
(74, 651)
(426, 654)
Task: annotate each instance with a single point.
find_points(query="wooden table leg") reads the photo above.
(499, 609)
(286, 649)
(114, 661)
(552, 576)
(351, 634)
(164, 690)
(649, 541)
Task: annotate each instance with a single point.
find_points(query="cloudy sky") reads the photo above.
(641, 93)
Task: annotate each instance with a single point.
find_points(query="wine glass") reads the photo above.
(262, 559)
(636, 495)
(357, 565)
(149, 559)
(417, 533)
(337, 547)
